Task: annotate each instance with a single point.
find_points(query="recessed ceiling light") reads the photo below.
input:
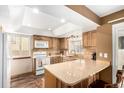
(49, 29)
(62, 20)
(28, 24)
(35, 10)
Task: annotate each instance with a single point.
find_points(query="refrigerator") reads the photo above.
(4, 62)
(1, 60)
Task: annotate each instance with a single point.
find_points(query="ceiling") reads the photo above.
(48, 20)
(103, 10)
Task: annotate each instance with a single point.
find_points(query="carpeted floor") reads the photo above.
(28, 81)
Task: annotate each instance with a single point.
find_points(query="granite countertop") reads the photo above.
(73, 72)
(55, 56)
(60, 56)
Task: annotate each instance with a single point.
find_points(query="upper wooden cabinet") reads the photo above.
(56, 43)
(63, 43)
(85, 39)
(89, 39)
(93, 38)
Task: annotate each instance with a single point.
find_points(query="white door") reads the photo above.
(1, 60)
(118, 54)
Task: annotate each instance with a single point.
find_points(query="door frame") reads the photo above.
(115, 29)
(1, 60)
(6, 65)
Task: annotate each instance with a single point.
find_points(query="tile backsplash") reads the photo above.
(88, 54)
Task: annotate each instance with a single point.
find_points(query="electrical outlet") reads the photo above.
(105, 55)
(100, 54)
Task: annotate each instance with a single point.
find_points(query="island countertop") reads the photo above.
(73, 72)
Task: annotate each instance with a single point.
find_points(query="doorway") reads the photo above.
(118, 49)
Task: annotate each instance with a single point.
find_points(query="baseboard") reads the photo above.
(27, 73)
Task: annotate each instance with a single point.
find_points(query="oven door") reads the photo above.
(40, 63)
(40, 60)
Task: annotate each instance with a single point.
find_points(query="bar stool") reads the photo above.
(123, 67)
(91, 79)
(119, 80)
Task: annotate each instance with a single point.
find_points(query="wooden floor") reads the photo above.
(28, 81)
(32, 81)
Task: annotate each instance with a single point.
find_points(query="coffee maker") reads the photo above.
(94, 56)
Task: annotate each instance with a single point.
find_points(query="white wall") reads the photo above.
(21, 66)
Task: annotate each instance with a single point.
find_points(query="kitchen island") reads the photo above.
(71, 73)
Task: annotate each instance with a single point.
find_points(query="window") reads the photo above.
(19, 45)
(75, 47)
(121, 42)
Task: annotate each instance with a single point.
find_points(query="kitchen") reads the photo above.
(58, 46)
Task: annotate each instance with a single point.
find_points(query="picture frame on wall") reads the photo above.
(41, 44)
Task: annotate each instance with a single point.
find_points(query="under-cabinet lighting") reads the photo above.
(119, 19)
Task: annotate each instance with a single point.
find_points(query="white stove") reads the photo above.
(40, 62)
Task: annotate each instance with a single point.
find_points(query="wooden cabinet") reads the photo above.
(54, 60)
(56, 43)
(93, 38)
(63, 43)
(85, 39)
(89, 39)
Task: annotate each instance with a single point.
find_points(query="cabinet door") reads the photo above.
(55, 43)
(89, 38)
(63, 43)
(50, 42)
(85, 39)
(52, 60)
(93, 39)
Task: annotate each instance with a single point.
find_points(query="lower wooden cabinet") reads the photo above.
(53, 82)
(57, 59)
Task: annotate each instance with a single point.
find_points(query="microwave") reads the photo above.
(41, 44)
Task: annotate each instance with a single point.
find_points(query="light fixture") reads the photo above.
(73, 36)
(28, 24)
(62, 20)
(35, 10)
(49, 29)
